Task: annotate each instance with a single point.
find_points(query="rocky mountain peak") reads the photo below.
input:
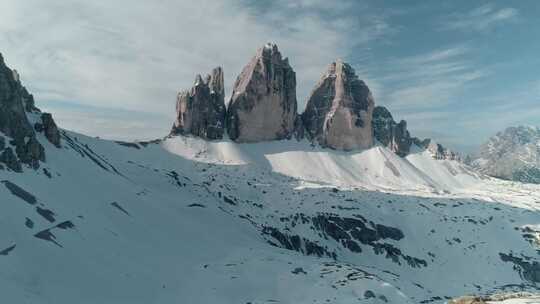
(339, 110)
(512, 154)
(200, 111)
(16, 106)
(263, 104)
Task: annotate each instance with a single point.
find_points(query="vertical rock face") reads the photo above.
(389, 133)
(263, 103)
(201, 110)
(339, 111)
(50, 129)
(15, 104)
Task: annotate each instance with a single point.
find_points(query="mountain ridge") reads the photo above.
(194, 220)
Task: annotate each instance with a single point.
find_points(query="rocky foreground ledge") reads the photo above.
(509, 298)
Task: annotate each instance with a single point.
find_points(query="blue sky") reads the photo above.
(457, 71)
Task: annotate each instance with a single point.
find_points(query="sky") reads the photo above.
(456, 71)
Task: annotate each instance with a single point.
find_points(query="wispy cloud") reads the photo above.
(480, 18)
(429, 80)
(137, 55)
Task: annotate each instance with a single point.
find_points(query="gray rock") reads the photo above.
(10, 160)
(437, 150)
(263, 103)
(201, 110)
(50, 129)
(339, 111)
(389, 133)
(15, 102)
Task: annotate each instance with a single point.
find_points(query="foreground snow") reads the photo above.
(189, 221)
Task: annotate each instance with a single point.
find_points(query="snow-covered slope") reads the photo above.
(512, 154)
(188, 221)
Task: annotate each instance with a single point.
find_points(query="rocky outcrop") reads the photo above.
(263, 103)
(436, 150)
(50, 129)
(339, 111)
(16, 104)
(201, 110)
(389, 133)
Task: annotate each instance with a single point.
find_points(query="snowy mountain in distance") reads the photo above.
(185, 219)
(512, 154)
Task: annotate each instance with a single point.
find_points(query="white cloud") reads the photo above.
(430, 80)
(480, 18)
(137, 54)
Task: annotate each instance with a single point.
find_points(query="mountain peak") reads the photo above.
(513, 154)
(200, 111)
(339, 110)
(263, 103)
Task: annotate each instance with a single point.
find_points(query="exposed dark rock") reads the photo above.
(8, 250)
(50, 129)
(297, 243)
(437, 150)
(66, 225)
(15, 103)
(117, 206)
(29, 223)
(197, 205)
(85, 151)
(263, 103)
(201, 110)
(349, 231)
(229, 201)
(20, 192)
(46, 214)
(339, 111)
(299, 129)
(47, 234)
(9, 158)
(369, 294)
(389, 133)
(528, 269)
(299, 270)
(128, 144)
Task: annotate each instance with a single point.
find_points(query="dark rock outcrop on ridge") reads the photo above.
(21, 145)
(201, 110)
(389, 133)
(437, 150)
(339, 111)
(263, 103)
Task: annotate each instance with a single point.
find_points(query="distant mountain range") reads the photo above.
(512, 154)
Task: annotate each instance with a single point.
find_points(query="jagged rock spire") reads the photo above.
(201, 110)
(263, 104)
(339, 111)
